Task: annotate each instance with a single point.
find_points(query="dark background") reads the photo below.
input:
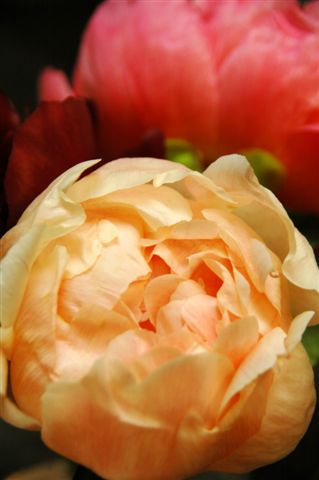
(34, 34)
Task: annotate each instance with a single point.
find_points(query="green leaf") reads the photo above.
(310, 341)
(180, 151)
(269, 171)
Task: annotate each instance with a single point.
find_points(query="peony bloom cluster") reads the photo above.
(225, 75)
(152, 319)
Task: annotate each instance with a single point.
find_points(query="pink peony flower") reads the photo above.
(224, 75)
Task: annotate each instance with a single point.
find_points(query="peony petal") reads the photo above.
(237, 339)
(167, 94)
(290, 404)
(259, 208)
(82, 342)
(158, 293)
(244, 242)
(200, 313)
(261, 358)
(132, 409)
(34, 349)
(296, 330)
(43, 149)
(161, 206)
(3, 374)
(12, 414)
(15, 268)
(53, 85)
(104, 283)
(126, 173)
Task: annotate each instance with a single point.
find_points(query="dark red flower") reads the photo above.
(9, 121)
(56, 136)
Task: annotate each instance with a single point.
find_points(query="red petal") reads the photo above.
(300, 190)
(9, 120)
(54, 138)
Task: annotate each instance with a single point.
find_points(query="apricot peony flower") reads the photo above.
(152, 318)
(224, 75)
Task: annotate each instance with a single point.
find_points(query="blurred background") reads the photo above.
(34, 34)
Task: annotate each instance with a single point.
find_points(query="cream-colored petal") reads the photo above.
(83, 246)
(301, 269)
(161, 206)
(3, 374)
(51, 215)
(302, 300)
(51, 196)
(231, 173)
(15, 269)
(296, 330)
(300, 265)
(10, 413)
(126, 173)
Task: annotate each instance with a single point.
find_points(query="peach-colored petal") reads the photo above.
(226, 294)
(136, 410)
(241, 422)
(259, 208)
(6, 340)
(187, 289)
(243, 241)
(169, 317)
(194, 230)
(262, 358)
(237, 339)
(158, 293)
(82, 342)
(104, 283)
(290, 405)
(200, 313)
(34, 349)
(176, 253)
